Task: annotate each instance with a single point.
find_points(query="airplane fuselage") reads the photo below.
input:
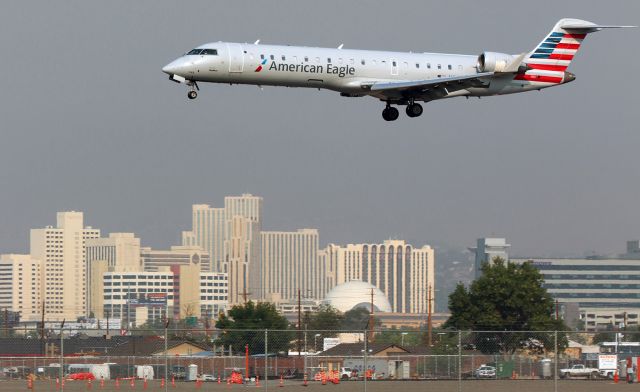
(342, 70)
(397, 78)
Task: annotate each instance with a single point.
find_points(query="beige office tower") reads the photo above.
(207, 232)
(231, 235)
(64, 271)
(290, 263)
(120, 252)
(243, 216)
(20, 285)
(402, 272)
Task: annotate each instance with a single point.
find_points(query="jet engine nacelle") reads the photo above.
(493, 62)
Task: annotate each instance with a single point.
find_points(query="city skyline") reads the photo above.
(115, 139)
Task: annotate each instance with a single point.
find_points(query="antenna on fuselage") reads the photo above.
(257, 42)
(340, 47)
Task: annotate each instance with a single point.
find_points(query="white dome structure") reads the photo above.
(357, 294)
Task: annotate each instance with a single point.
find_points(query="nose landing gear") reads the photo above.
(193, 94)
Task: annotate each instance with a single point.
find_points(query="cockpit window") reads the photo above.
(195, 51)
(213, 52)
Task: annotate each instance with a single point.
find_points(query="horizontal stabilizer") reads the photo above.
(584, 26)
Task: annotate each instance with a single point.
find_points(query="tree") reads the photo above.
(323, 323)
(406, 337)
(507, 297)
(356, 319)
(246, 323)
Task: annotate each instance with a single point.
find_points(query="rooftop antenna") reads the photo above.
(340, 47)
(257, 42)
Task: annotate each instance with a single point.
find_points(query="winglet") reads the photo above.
(257, 42)
(514, 65)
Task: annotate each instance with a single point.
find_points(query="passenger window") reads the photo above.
(306, 59)
(362, 61)
(449, 66)
(393, 63)
(417, 65)
(439, 66)
(428, 65)
(283, 58)
(340, 60)
(262, 56)
(351, 61)
(459, 67)
(317, 59)
(328, 60)
(272, 57)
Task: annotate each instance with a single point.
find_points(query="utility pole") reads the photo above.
(42, 329)
(245, 295)
(429, 325)
(108, 314)
(6, 322)
(371, 326)
(557, 314)
(299, 322)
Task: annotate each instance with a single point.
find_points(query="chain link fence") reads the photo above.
(270, 358)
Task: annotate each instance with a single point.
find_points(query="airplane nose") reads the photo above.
(568, 77)
(170, 68)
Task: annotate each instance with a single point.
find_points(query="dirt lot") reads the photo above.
(376, 386)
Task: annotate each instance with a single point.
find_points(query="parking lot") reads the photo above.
(372, 386)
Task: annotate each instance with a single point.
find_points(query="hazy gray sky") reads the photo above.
(89, 122)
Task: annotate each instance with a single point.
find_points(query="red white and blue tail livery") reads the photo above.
(396, 78)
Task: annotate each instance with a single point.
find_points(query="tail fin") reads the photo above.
(548, 62)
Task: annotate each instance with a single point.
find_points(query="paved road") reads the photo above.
(376, 386)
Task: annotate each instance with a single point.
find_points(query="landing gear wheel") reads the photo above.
(192, 94)
(414, 110)
(390, 113)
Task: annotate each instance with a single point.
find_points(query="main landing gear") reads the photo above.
(390, 113)
(192, 94)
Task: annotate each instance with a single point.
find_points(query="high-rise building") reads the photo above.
(208, 228)
(232, 236)
(120, 252)
(403, 273)
(487, 250)
(290, 263)
(153, 260)
(20, 290)
(64, 271)
(179, 291)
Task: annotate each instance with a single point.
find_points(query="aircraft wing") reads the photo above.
(428, 87)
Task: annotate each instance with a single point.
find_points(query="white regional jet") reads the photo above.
(397, 78)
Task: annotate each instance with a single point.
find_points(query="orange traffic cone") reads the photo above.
(133, 382)
(117, 383)
(89, 384)
(57, 383)
(281, 382)
(219, 380)
(305, 382)
(323, 376)
(29, 383)
(101, 382)
(257, 381)
(162, 381)
(145, 383)
(173, 381)
(616, 378)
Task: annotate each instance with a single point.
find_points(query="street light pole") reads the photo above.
(315, 342)
(402, 338)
